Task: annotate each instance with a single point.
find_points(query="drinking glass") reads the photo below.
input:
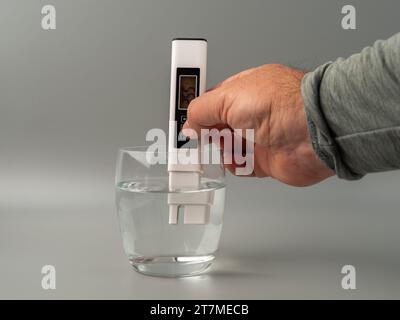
(153, 245)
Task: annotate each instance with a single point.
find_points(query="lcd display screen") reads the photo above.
(187, 90)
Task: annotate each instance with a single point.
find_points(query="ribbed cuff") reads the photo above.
(321, 136)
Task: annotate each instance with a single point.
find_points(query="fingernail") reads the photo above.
(188, 132)
(186, 125)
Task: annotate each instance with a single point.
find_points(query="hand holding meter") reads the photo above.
(188, 81)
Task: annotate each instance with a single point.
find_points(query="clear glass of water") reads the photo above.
(153, 245)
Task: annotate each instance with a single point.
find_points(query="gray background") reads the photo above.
(70, 97)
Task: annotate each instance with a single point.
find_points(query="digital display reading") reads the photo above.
(187, 90)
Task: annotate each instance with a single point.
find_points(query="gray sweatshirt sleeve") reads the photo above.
(353, 110)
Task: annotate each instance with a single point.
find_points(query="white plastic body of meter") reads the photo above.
(188, 81)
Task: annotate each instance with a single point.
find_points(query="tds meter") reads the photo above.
(188, 81)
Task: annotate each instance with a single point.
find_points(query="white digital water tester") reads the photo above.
(188, 81)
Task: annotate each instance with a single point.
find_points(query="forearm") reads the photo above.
(353, 110)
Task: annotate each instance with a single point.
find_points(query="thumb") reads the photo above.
(206, 110)
(209, 109)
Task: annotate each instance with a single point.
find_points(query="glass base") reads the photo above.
(172, 266)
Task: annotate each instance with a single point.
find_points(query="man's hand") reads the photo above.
(267, 99)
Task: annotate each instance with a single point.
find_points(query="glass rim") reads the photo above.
(144, 149)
